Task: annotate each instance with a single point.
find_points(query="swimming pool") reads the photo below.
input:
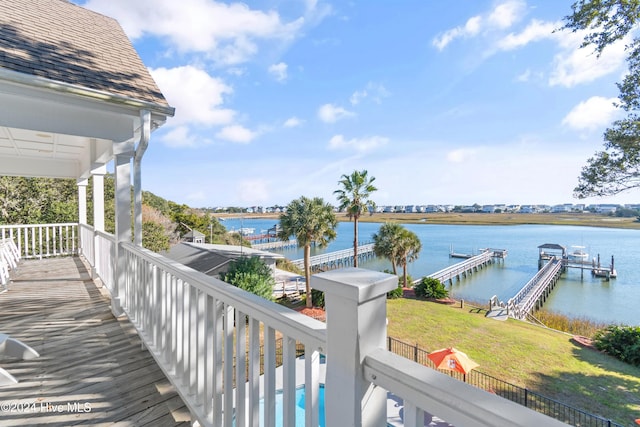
(300, 398)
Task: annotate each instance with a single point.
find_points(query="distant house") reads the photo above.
(194, 236)
(606, 208)
(488, 208)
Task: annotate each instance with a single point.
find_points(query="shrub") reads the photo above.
(397, 292)
(317, 297)
(622, 342)
(431, 288)
(252, 275)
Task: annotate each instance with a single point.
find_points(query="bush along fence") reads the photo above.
(523, 396)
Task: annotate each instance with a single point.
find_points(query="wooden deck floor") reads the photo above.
(92, 369)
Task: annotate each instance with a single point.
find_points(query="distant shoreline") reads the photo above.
(454, 218)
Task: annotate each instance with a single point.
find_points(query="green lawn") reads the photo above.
(539, 359)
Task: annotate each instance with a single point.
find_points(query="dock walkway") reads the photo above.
(92, 369)
(532, 295)
(466, 267)
(337, 259)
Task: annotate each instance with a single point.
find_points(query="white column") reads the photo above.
(123, 225)
(82, 201)
(98, 198)
(356, 324)
(98, 213)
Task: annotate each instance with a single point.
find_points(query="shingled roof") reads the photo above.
(63, 42)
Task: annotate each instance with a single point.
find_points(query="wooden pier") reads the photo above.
(277, 245)
(553, 260)
(532, 295)
(468, 266)
(337, 259)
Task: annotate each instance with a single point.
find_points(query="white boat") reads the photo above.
(246, 231)
(578, 255)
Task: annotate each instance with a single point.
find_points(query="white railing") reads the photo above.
(42, 240)
(105, 262)
(87, 244)
(206, 334)
(343, 255)
(455, 270)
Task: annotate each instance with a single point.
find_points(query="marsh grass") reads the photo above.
(575, 326)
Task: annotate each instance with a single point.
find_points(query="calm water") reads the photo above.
(616, 301)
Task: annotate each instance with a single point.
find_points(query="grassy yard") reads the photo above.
(539, 359)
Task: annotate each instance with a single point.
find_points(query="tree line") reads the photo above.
(50, 201)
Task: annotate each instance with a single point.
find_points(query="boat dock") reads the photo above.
(532, 295)
(276, 244)
(337, 259)
(553, 260)
(471, 264)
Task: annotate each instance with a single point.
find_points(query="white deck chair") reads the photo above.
(17, 349)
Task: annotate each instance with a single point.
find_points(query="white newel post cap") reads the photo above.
(356, 284)
(355, 301)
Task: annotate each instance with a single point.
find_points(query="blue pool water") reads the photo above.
(300, 398)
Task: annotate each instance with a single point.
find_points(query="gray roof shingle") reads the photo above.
(61, 41)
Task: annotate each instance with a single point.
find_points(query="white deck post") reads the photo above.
(82, 201)
(98, 212)
(356, 324)
(123, 225)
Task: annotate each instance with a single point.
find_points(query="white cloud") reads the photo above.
(357, 97)
(179, 137)
(330, 113)
(460, 155)
(503, 16)
(374, 91)
(573, 65)
(506, 14)
(228, 30)
(279, 71)
(253, 191)
(536, 30)
(197, 96)
(293, 122)
(236, 133)
(338, 142)
(592, 114)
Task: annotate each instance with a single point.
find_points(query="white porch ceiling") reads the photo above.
(36, 153)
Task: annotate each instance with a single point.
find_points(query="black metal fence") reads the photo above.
(558, 410)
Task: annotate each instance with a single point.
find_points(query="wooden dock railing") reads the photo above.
(336, 259)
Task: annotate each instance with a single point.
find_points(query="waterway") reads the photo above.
(577, 295)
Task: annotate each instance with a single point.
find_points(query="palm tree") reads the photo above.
(409, 247)
(310, 221)
(385, 242)
(398, 245)
(354, 197)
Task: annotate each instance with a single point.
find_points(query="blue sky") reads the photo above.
(472, 101)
